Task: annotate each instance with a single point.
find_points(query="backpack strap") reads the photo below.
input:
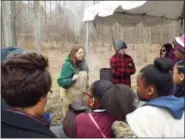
(97, 126)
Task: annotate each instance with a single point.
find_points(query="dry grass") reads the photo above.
(57, 52)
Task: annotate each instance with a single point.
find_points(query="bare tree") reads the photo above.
(13, 26)
(9, 15)
(37, 25)
(50, 9)
(45, 12)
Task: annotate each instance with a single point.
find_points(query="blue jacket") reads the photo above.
(171, 103)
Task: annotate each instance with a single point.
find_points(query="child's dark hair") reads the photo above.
(117, 100)
(158, 74)
(25, 79)
(181, 67)
(181, 70)
(100, 87)
(168, 48)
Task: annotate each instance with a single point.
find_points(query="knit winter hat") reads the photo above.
(180, 44)
(5, 52)
(120, 44)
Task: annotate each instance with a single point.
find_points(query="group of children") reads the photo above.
(160, 85)
(110, 108)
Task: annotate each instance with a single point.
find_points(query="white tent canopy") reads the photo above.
(134, 12)
(131, 13)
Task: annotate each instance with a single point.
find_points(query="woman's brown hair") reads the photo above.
(72, 55)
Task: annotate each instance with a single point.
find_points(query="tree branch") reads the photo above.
(18, 10)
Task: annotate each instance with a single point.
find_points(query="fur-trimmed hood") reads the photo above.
(122, 130)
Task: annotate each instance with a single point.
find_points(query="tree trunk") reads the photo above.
(9, 13)
(94, 36)
(37, 25)
(56, 11)
(13, 26)
(6, 22)
(45, 12)
(50, 9)
(112, 38)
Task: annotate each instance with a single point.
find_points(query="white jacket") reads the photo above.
(149, 121)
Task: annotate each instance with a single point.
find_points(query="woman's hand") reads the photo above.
(75, 77)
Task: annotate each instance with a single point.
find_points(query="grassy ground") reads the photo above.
(57, 52)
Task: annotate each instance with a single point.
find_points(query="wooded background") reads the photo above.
(38, 21)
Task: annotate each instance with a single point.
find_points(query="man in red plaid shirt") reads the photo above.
(122, 65)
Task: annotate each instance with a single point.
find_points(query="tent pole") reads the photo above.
(87, 43)
(182, 20)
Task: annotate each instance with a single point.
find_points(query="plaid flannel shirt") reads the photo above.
(122, 68)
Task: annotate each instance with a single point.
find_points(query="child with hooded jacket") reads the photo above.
(161, 115)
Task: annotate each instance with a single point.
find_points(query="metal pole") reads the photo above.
(182, 21)
(181, 26)
(87, 43)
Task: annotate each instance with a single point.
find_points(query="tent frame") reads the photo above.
(181, 19)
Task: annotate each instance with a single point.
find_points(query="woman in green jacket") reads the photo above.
(70, 74)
